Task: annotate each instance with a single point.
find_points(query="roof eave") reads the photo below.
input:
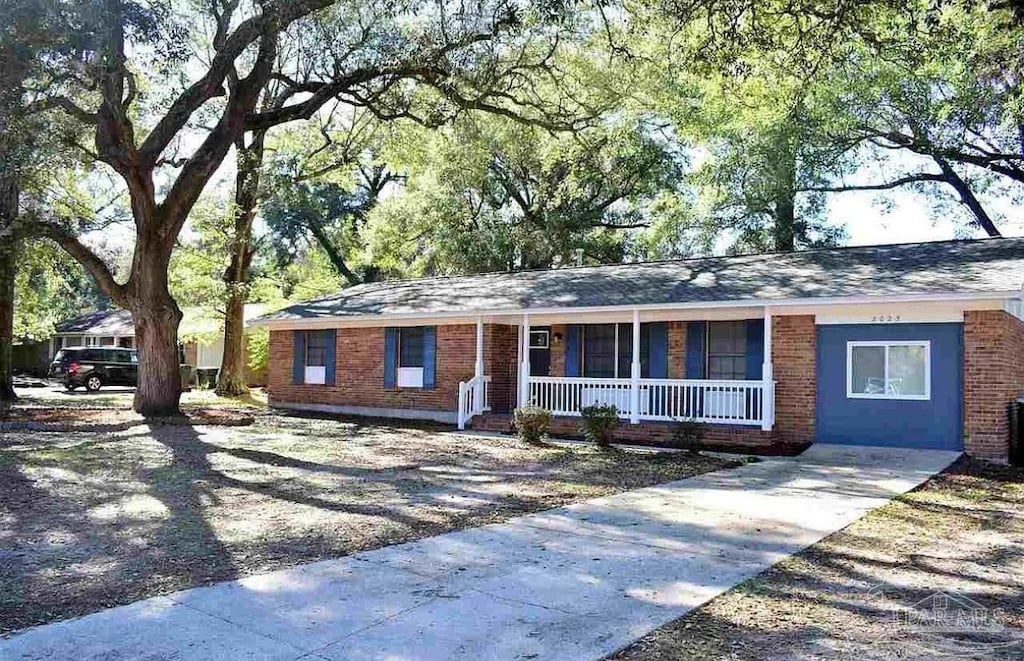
(312, 322)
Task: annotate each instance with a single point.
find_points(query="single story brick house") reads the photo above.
(912, 345)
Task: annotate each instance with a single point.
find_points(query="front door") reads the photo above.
(540, 351)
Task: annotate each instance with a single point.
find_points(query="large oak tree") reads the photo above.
(418, 60)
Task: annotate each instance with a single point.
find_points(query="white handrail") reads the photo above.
(739, 402)
(472, 399)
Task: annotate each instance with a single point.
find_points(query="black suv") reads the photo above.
(95, 367)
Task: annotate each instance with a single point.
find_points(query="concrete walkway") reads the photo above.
(576, 582)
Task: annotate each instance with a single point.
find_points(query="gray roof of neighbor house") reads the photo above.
(101, 322)
(195, 321)
(985, 266)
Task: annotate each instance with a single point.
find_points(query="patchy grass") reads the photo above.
(90, 520)
(962, 533)
(114, 397)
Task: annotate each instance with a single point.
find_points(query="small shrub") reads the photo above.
(687, 435)
(532, 423)
(599, 422)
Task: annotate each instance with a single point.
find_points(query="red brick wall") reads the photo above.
(794, 341)
(359, 371)
(993, 377)
(557, 352)
(677, 349)
(500, 353)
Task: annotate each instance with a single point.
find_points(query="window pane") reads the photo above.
(410, 346)
(625, 357)
(733, 368)
(599, 350)
(907, 370)
(727, 350)
(868, 370)
(727, 337)
(316, 348)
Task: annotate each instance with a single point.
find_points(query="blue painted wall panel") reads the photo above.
(936, 423)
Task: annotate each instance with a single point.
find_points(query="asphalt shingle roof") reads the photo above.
(101, 322)
(946, 267)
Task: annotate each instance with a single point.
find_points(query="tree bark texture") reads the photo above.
(9, 245)
(231, 380)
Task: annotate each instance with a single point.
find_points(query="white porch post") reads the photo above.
(634, 372)
(524, 366)
(478, 372)
(767, 375)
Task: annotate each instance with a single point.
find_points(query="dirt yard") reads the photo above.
(960, 537)
(94, 519)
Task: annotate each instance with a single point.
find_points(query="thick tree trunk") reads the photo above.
(785, 231)
(156, 317)
(231, 380)
(8, 268)
(156, 322)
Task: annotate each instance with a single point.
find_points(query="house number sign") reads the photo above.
(882, 318)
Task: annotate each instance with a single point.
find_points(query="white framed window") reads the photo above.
(411, 357)
(540, 339)
(316, 357)
(888, 370)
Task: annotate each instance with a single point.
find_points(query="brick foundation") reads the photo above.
(716, 437)
(993, 377)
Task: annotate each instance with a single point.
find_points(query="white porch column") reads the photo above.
(478, 372)
(634, 372)
(767, 374)
(524, 366)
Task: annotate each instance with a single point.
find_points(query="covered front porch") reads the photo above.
(707, 366)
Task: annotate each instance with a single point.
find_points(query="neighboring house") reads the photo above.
(200, 332)
(915, 345)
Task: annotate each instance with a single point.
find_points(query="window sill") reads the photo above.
(895, 398)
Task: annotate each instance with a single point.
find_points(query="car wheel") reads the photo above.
(93, 383)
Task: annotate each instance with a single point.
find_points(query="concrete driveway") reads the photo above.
(577, 582)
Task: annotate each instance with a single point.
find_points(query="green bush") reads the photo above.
(532, 423)
(687, 435)
(599, 422)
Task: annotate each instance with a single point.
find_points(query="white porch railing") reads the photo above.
(472, 399)
(705, 401)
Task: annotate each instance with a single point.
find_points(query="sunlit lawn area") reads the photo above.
(89, 520)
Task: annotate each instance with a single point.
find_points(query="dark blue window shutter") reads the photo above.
(755, 348)
(696, 349)
(573, 337)
(658, 351)
(332, 343)
(390, 357)
(299, 357)
(429, 356)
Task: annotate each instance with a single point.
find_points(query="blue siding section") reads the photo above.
(390, 357)
(299, 357)
(696, 349)
(332, 343)
(573, 336)
(429, 356)
(658, 351)
(934, 424)
(755, 348)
